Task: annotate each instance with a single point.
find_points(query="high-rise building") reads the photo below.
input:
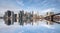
(9, 17)
(49, 13)
(15, 17)
(21, 14)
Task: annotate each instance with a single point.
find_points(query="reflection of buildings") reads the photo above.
(15, 17)
(53, 17)
(49, 22)
(9, 17)
(56, 18)
(48, 16)
(27, 18)
(21, 14)
(22, 17)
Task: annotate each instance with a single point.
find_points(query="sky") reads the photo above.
(41, 6)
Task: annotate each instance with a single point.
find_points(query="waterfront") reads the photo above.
(29, 16)
(29, 22)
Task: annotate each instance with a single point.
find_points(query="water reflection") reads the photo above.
(29, 18)
(28, 23)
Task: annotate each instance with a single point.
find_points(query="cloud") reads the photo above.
(10, 5)
(27, 28)
(8, 29)
(49, 26)
(48, 10)
(20, 2)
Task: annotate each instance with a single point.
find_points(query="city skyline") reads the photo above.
(29, 16)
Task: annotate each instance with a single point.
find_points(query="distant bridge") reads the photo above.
(51, 18)
(55, 14)
(1, 17)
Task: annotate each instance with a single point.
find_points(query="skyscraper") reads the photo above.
(9, 17)
(21, 14)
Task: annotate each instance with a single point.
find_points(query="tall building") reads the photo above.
(21, 14)
(49, 16)
(49, 13)
(9, 17)
(15, 17)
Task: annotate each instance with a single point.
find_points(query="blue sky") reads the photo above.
(41, 6)
(30, 5)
